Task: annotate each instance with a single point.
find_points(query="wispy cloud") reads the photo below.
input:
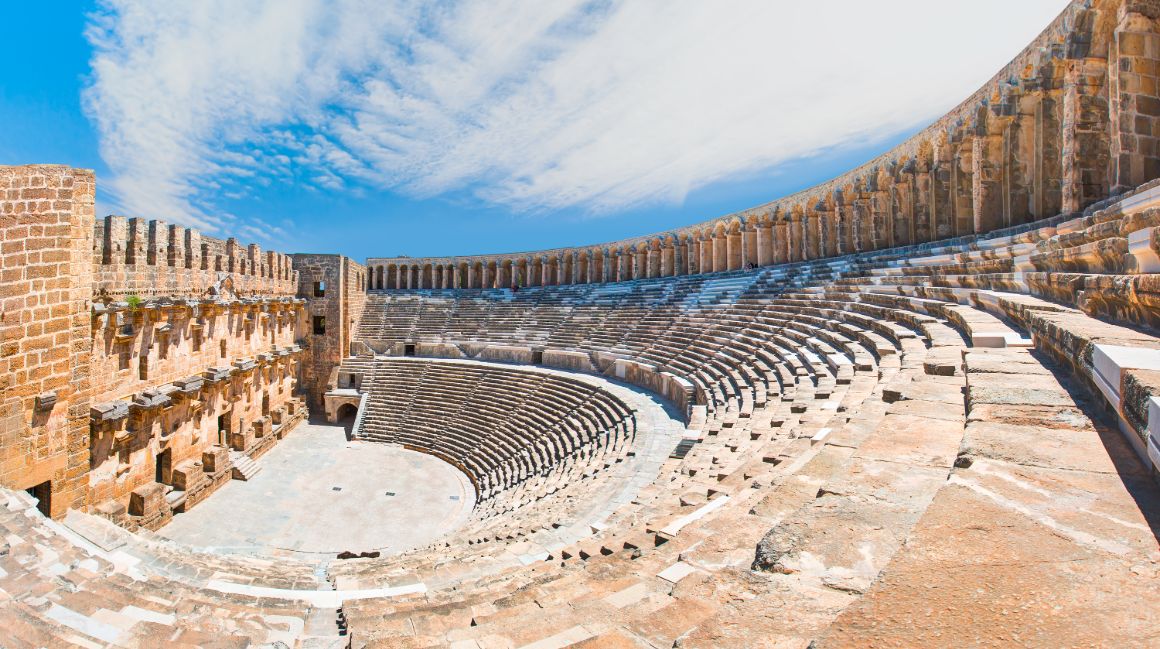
(535, 106)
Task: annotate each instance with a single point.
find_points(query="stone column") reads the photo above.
(780, 238)
(796, 234)
(939, 196)
(962, 187)
(922, 225)
(844, 216)
(749, 243)
(733, 248)
(1134, 89)
(987, 172)
(1085, 134)
(720, 250)
(861, 224)
(764, 243)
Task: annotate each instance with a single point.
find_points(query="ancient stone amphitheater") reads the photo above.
(917, 406)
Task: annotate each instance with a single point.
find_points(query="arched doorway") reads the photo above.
(345, 417)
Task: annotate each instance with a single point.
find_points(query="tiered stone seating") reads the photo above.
(515, 434)
(57, 589)
(871, 438)
(834, 401)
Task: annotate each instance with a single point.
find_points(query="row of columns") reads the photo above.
(1073, 129)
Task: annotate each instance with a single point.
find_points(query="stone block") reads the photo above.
(188, 475)
(507, 354)
(147, 500)
(1110, 361)
(1140, 247)
(215, 459)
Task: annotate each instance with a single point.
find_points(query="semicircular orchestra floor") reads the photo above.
(319, 493)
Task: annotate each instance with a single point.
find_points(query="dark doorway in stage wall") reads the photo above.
(345, 417)
(163, 470)
(408, 349)
(224, 429)
(43, 495)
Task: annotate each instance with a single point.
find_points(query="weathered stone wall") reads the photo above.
(46, 218)
(195, 338)
(334, 289)
(181, 377)
(134, 256)
(1072, 119)
(130, 407)
(354, 298)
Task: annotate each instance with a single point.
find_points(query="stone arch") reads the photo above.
(623, 259)
(475, 275)
(489, 273)
(639, 260)
(720, 237)
(549, 270)
(567, 268)
(520, 277)
(668, 255)
(504, 277)
(734, 245)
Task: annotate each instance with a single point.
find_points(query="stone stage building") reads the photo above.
(145, 364)
(918, 405)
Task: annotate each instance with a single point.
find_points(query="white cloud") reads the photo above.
(532, 105)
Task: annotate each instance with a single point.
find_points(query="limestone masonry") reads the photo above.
(916, 406)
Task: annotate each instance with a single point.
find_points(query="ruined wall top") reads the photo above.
(134, 256)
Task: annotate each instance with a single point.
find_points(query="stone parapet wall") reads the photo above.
(1070, 121)
(134, 256)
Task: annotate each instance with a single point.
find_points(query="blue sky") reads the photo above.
(375, 128)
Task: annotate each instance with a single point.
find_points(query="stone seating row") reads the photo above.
(503, 427)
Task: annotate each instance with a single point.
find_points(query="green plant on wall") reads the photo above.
(134, 302)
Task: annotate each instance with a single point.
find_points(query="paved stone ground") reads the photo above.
(293, 503)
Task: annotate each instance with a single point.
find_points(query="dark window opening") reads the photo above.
(319, 325)
(409, 349)
(43, 495)
(319, 289)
